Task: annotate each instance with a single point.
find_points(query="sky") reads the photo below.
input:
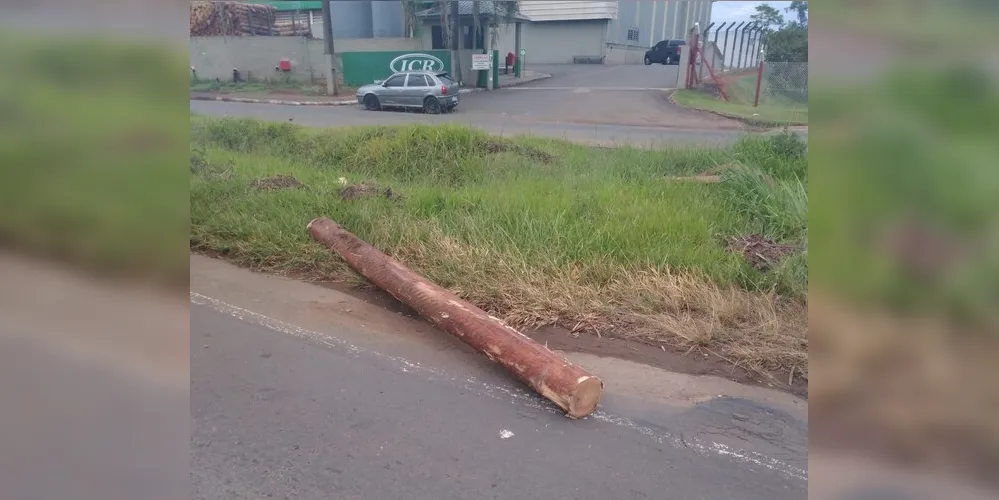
(737, 12)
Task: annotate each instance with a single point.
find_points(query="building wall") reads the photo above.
(555, 42)
(362, 19)
(547, 10)
(624, 54)
(387, 19)
(657, 20)
(352, 19)
(256, 56)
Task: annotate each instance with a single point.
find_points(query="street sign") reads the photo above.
(481, 62)
(523, 52)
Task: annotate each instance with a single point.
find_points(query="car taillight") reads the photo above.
(443, 89)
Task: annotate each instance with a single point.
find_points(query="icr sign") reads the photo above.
(415, 62)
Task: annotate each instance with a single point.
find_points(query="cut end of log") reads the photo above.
(313, 221)
(585, 398)
(318, 223)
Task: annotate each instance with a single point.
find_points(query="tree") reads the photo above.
(801, 10)
(768, 18)
(789, 44)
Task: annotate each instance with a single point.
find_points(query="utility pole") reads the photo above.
(456, 36)
(332, 86)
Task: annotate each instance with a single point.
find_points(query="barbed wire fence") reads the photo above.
(739, 73)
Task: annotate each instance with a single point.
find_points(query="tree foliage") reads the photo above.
(768, 18)
(800, 9)
(789, 44)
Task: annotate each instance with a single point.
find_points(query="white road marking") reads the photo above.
(594, 89)
(514, 395)
(505, 434)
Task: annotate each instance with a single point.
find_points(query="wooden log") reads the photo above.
(570, 387)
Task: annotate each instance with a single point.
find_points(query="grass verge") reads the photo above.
(772, 112)
(538, 232)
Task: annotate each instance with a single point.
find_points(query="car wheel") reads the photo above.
(648, 61)
(371, 103)
(669, 60)
(431, 106)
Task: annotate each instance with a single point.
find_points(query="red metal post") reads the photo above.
(692, 62)
(721, 86)
(759, 83)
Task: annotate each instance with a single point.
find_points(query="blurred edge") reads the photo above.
(94, 370)
(905, 238)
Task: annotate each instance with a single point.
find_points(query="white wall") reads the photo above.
(547, 10)
(556, 42)
(624, 54)
(256, 56)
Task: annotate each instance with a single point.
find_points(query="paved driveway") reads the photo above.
(600, 76)
(595, 94)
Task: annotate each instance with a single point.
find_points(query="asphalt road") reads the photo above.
(601, 105)
(280, 412)
(348, 116)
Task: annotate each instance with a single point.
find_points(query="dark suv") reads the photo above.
(665, 52)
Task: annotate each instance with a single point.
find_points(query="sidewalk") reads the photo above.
(283, 99)
(528, 76)
(343, 100)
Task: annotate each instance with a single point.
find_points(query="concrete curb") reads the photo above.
(272, 101)
(538, 78)
(345, 102)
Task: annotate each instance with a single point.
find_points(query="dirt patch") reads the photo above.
(367, 190)
(277, 182)
(496, 147)
(706, 179)
(715, 175)
(759, 251)
(721, 169)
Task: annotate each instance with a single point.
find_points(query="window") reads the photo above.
(437, 38)
(677, 43)
(632, 34)
(395, 81)
(417, 81)
(446, 79)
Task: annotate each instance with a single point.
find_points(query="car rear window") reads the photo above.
(674, 43)
(446, 79)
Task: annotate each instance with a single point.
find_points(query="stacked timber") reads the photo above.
(243, 19)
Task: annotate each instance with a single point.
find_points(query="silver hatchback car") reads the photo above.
(428, 90)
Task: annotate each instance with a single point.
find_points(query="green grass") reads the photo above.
(91, 154)
(541, 232)
(772, 111)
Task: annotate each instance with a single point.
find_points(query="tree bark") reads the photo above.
(570, 387)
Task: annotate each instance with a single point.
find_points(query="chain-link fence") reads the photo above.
(784, 84)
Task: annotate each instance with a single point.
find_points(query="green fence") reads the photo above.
(361, 68)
